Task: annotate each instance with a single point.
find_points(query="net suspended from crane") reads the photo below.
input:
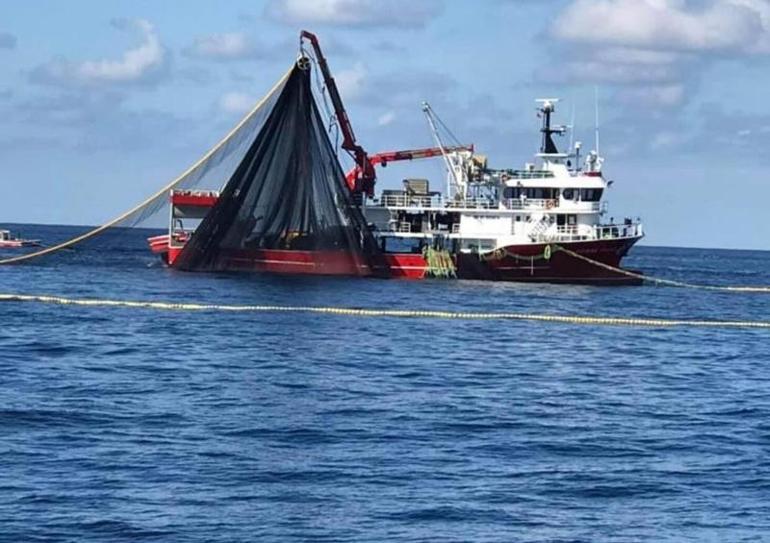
(283, 189)
(288, 194)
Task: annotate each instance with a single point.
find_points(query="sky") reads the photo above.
(102, 102)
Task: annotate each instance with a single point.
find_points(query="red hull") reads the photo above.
(526, 263)
(295, 262)
(405, 266)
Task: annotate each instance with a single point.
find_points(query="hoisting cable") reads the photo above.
(660, 281)
(395, 313)
(98, 230)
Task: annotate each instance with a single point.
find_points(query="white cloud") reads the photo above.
(386, 118)
(226, 46)
(7, 40)
(762, 8)
(351, 81)
(592, 69)
(653, 50)
(630, 55)
(237, 102)
(136, 65)
(720, 25)
(355, 13)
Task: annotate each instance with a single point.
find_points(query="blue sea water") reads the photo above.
(141, 425)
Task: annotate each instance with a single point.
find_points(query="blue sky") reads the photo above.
(103, 102)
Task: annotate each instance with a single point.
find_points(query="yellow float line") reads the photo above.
(399, 313)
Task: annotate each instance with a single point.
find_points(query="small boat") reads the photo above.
(9, 241)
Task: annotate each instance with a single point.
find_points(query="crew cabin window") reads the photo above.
(591, 195)
(534, 193)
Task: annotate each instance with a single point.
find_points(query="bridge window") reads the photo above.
(591, 195)
(511, 192)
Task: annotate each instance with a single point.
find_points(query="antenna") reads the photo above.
(572, 127)
(596, 106)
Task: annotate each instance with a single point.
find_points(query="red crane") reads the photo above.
(363, 181)
(411, 154)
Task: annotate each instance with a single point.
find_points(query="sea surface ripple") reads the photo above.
(135, 425)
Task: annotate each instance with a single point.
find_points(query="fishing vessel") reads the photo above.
(511, 224)
(11, 241)
(289, 209)
(496, 224)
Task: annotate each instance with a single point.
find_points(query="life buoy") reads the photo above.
(547, 252)
(549, 204)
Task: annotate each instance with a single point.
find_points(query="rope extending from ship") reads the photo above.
(660, 281)
(164, 190)
(394, 313)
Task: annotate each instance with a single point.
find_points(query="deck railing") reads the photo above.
(552, 203)
(406, 200)
(473, 203)
(527, 174)
(530, 203)
(601, 231)
(612, 231)
(436, 201)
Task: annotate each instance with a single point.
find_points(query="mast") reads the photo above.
(547, 107)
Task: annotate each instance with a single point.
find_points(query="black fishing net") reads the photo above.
(287, 194)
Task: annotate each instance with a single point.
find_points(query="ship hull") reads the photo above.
(533, 263)
(523, 263)
(294, 262)
(398, 266)
(19, 243)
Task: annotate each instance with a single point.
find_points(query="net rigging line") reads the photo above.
(642, 322)
(160, 193)
(660, 281)
(321, 89)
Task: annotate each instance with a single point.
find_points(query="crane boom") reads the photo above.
(363, 181)
(409, 154)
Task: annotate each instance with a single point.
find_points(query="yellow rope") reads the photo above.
(399, 313)
(98, 230)
(658, 280)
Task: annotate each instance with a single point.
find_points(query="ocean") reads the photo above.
(140, 425)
